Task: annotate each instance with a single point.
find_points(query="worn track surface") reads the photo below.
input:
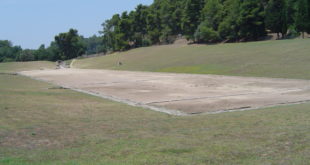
(180, 94)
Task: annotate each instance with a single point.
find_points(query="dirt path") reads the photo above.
(180, 94)
(72, 62)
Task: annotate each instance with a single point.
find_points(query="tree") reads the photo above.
(252, 24)
(213, 13)
(276, 18)
(94, 44)
(177, 19)
(167, 21)
(291, 12)
(124, 32)
(192, 19)
(302, 16)
(26, 55)
(153, 27)
(139, 22)
(53, 52)
(109, 31)
(41, 53)
(308, 26)
(8, 52)
(230, 25)
(70, 45)
(205, 33)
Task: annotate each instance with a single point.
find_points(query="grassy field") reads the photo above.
(42, 124)
(282, 59)
(23, 66)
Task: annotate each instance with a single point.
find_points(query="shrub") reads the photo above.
(205, 33)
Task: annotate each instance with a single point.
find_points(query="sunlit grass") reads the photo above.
(282, 59)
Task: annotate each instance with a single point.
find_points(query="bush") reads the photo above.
(292, 32)
(26, 55)
(146, 42)
(205, 33)
(8, 60)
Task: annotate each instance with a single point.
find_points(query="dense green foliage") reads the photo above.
(70, 45)
(302, 16)
(93, 45)
(204, 21)
(8, 52)
(276, 16)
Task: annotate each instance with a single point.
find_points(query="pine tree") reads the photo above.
(302, 16)
(70, 44)
(230, 25)
(308, 25)
(276, 17)
(213, 13)
(252, 24)
(192, 17)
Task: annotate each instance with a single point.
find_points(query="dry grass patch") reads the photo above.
(10, 67)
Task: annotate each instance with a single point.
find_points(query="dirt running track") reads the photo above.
(180, 94)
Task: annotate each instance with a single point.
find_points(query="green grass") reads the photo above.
(282, 59)
(23, 66)
(40, 124)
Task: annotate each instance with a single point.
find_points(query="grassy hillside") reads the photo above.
(284, 59)
(23, 66)
(40, 124)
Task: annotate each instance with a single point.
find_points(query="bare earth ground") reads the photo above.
(180, 94)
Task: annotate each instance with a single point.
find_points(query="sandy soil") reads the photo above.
(180, 94)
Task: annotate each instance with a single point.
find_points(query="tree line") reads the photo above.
(200, 21)
(204, 21)
(65, 46)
